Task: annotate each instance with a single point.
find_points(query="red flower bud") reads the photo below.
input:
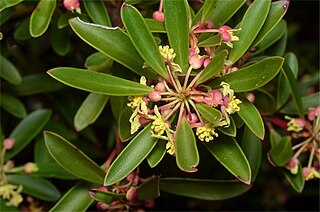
(8, 143)
(157, 15)
(154, 96)
(132, 194)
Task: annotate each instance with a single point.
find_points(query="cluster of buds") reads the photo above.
(307, 133)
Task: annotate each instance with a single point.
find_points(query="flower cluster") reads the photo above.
(12, 194)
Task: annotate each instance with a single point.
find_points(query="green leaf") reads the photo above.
(297, 181)
(27, 129)
(124, 126)
(97, 11)
(41, 16)
(22, 31)
(275, 138)
(157, 154)
(60, 40)
(252, 148)
(212, 41)
(64, 18)
(215, 66)
(149, 189)
(187, 155)
(250, 26)
(155, 26)
(5, 15)
(99, 62)
(34, 84)
(118, 103)
(177, 25)
(207, 9)
(283, 91)
(131, 156)
(308, 102)
(231, 130)
(72, 159)
(9, 72)
(253, 76)
(35, 186)
(116, 44)
(89, 110)
(209, 113)
(295, 91)
(277, 11)
(99, 83)
(203, 189)
(282, 152)
(132, 1)
(251, 117)
(105, 196)
(8, 3)
(227, 151)
(279, 47)
(13, 105)
(76, 199)
(142, 38)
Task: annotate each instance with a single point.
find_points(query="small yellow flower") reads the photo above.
(15, 200)
(158, 127)
(11, 193)
(295, 124)
(226, 90)
(167, 53)
(206, 133)
(233, 105)
(135, 101)
(170, 147)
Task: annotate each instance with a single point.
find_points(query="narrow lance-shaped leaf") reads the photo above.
(187, 155)
(251, 117)
(116, 44)
(99, 83)
(250, 26)
(149, 189)
(97, 11)
(131, 156)
(253, 76)
(60, 40)
(177, 25)
(89, 110)
(13, 105)
(207, 9)
(157, 154)
(282, 152)
(209, 113)
(203, 189)
(227, 151)
(27, 129)
(142, 38)
(72, 159)
(8, 3)
(9, 72)
(41, 16)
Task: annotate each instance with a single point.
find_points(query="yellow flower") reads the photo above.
(158, 127)
(170, 147)
(11, 193)
(15, 200)
(233, 105)
(226, 90)
(167, 53)
(206, 133)
(295, 124)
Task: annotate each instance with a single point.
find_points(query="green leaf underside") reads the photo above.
(253, 76)
(131, 156)
(99, 83)
(9, 72)
(297, 181)
(149, 189)
(98, 12)
(251, 117)
(13, 105)
(227, 151)
(27, 129)
(187, 155)
(203, 189)
(177, 26)
(116, 44)
(8, 3)
(157, 154)
(35, 186)
(72, 159)
(209, 113)
(282, 152)
(142, 38)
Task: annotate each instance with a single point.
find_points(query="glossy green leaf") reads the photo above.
(215, 40)
(76, 199)
(295, 90)
(132, 1)
(60, 40)
(9, 72)
(215, 66)
(277, 11)
(252, 148)
(187, 155)
(149, 189)
(5, 15)
(308, 102)
(34, 84)
(253, 76)
(89, 110)
(72, 159)
(64, 18)
(8, 3)
(99, 62)
(231, 130)
(105, 196)
(142, 38)
(13, 105)
(157, 154)
(155, 26)
(116, 44)
(124, 126)
(279, 47)
(251, 117)
(275, 138)
(209, 113)
(41, 16)
(118, 103)
(297, 181)
(177, 25)
(99, 83)
(250, 26)
(131, 156)
(227, 151)
(282, 152)
(207, 9)
(283, 91)
(97, 11)
(35, 186)
(203, 189)
(27, 129)
(22, 31)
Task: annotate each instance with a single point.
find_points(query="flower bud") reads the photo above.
(101, 206)
(8, 143)
(160, 87)
(155, 96)
(143, 120)
(224, 31)
(72, 5)
(159, 16)
(196, 61)
(131, 176)
(132, 194)
(30, 168)
(206, 62)
(103, 188)
(209, 24)
(192, 118)
(293, 165)
(307, 173)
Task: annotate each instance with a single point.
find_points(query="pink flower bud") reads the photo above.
(103, 188)
(195, 61)
(208, 50)
(30, 168)
(251, 97)
(311, 114)
(114, 203)
(292, 163)
(8, 143)
(154, 96)
(71, 5)
(132, 194)
(131, 176)
(306, 172)
(300, 122)
(160, 87)
(101, 206)
(206, 62)
(200, 25)
(159, 16)
(226, 36)
(192, 118)
(143, 120)
(210, 24)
